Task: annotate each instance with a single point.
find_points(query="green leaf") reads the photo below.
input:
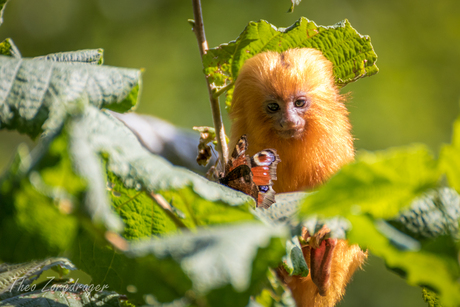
(430, 298)
(275, 295)
(264, 299)
(141, 215)
(37, 96)
(137, 167)
(425, 266)
(13, 277)
(351, 53)
(163, 278)
(216, 263)
(34, 192)
(450, 158)
(200, 201)
(89, 56)
(435, 214)
(283, 210)
(294, 261)
(96, 169)
(379, 184)
(61, 294)
(8, 48)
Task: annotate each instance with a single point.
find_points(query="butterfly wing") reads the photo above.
(253, 176)
(239, 156)
(240, 178)
(238, 173)
(263, 167)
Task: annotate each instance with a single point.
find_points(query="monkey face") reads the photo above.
(287, 115)
(289, 96)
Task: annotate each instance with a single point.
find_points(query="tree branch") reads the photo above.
(198, 28)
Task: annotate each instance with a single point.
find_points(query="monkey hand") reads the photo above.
(331, 262)
(321, 247)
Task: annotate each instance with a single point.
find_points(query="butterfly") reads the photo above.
(252, 175)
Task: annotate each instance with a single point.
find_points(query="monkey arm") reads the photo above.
(332, 263)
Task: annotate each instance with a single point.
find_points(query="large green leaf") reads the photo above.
(96, 166)
(424, 265)
(144, 217)
(37, 195)
(351, 53)
(219, 266)
(141, 173)
(89, 56)
(37, 96)
(379, 184)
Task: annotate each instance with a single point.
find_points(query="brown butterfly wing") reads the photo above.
(240, 178)
(238, 173)
(238, 156)
(254, 175)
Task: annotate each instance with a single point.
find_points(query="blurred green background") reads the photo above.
(414, 97)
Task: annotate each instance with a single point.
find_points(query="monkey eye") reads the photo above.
(273, 106)
(299, 103)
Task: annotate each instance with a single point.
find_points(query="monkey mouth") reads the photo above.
(289, 133)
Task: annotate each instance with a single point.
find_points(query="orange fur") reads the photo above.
(345, 260)
(324, 147)
(326, 144)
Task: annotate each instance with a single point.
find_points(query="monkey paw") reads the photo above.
(321, 248)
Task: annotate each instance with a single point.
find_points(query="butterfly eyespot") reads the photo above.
(263, 188)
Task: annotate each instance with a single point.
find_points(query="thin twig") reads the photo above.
(198, 28)
(223, 90)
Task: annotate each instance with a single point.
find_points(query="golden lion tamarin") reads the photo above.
(289, 101)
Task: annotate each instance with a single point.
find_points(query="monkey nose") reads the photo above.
(288, 125)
